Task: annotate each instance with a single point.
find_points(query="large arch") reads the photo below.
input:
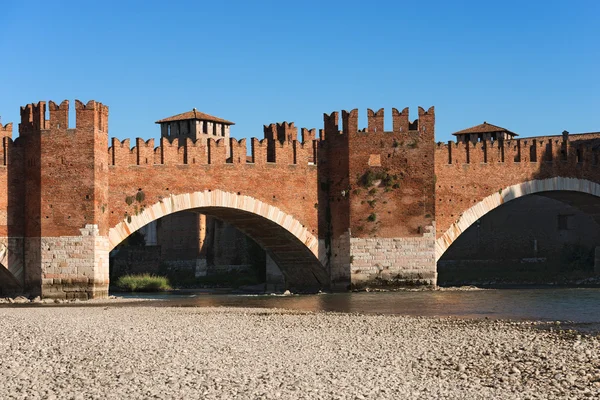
(291, 245)
(468, 217)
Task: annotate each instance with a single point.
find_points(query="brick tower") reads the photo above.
(66, 191)
(380, 210)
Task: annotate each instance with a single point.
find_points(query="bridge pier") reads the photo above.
(69, 266)
(385, 262)
(402, 261)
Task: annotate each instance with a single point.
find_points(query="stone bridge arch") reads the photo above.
(471, 215)
(290, 244)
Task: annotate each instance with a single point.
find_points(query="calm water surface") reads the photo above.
(575, 305)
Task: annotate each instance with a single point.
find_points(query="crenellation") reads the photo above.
(270, 132)
(259, 151)
(308, 135)
(287, 132)
(6, 130)
(302, 153)
(144, 151)
(375, 120)
(512, 151)
(93, 115)
(543, 150)
(195, 151)
(7, 149)
(238, 150)
(59, 115)
(283, 152)
(460, 153)
(331, 124)
(168, 152)
(33, 118)
(426, 123)
(492, 151)
(443, 152)
(350, 121)
(217, 151)
(558, 151)
(120, 152)
(476, 152)
(400, 122)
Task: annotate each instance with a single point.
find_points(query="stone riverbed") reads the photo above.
(143, 352)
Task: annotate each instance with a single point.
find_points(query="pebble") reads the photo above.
(145, 352)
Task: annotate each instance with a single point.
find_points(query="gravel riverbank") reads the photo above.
(217, 353)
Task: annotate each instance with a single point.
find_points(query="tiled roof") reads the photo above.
(484, 128)
(194, 114)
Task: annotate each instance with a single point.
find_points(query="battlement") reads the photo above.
(424, 125)
(527, 150)
(93, 115)
(186, 151)
(281, 131)
(6, 130)
(307, 135)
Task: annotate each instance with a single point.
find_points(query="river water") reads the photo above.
(576, 305)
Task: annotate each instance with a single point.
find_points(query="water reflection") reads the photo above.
(578, 305)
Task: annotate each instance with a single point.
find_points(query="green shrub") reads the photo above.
(372, 217)
(140, 196)
(143, 283)
(367, 179)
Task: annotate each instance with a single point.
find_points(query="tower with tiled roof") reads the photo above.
(483, 131)
(195, 125)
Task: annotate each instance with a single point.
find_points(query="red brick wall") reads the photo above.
(187, 167)
(65, 169)
(401, 199)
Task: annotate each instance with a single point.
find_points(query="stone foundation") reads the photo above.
(340, 262)
(393, 261)
(71, 266)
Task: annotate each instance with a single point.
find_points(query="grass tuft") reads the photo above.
(143, 283)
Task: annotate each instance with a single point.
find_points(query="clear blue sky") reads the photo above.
(529, 66)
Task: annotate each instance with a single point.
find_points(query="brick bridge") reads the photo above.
(343, 208)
